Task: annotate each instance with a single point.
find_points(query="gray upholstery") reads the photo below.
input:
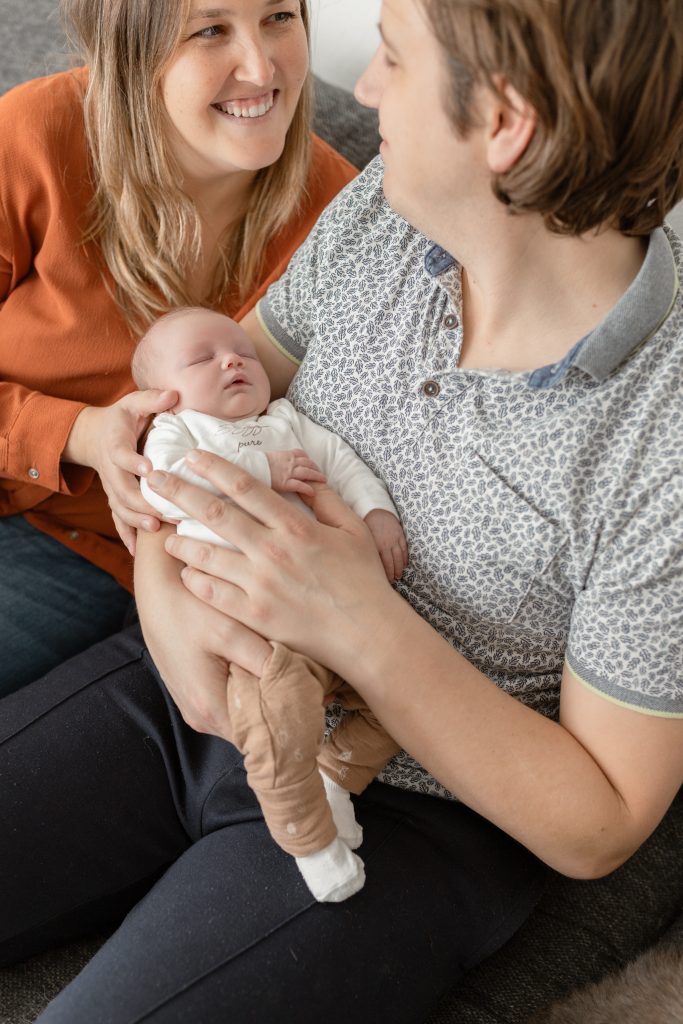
(580, 931)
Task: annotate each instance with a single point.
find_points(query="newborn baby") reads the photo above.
(303, 784)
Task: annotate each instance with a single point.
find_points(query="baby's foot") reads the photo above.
(332, 874)
(343, 813)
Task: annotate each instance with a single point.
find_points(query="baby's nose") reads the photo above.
(229, 362)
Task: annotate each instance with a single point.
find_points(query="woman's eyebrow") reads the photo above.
(222, 12)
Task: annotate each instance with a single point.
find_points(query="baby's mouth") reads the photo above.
(254, 107)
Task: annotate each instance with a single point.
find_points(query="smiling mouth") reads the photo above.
(257, 106)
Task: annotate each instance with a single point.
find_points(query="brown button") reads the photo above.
(430, 388)
(450, 321)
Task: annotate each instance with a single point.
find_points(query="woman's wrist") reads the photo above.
(78, 447)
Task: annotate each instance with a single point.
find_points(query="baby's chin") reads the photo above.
(238, 407)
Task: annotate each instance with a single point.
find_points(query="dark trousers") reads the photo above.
(110, 804)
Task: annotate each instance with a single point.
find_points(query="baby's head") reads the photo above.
(208, 359)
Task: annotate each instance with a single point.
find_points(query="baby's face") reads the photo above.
(210, 361)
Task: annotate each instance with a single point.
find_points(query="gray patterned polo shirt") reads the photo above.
(543, 510)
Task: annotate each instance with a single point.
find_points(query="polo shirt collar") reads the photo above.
(640, 312)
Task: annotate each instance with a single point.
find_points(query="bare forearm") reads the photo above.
(157, 575)
(520, 770)
(582, 794)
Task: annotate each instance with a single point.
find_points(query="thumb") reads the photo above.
(151, 401)
(331, 510)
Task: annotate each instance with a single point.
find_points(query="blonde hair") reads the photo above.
(605, 78)
(147, 228)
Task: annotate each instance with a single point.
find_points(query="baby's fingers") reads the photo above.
(386, 554)
(309, 473)
(294, 486)
(400, 559)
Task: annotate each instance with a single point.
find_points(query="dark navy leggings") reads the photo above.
(111, 806)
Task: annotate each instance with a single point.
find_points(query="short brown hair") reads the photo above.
(605, 78)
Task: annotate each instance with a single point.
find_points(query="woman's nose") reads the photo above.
(253, 63)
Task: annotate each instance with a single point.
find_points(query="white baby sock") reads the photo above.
(343, 813)
(332, 874)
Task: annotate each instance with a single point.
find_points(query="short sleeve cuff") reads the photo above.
(661, 705)
(276, 333)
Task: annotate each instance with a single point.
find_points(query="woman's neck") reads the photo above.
(221, 205)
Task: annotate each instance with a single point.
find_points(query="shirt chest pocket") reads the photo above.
(500, 548)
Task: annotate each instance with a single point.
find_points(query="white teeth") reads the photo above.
(257, 111)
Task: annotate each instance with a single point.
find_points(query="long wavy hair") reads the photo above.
(147, 227)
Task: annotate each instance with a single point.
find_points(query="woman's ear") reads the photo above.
(511, 126)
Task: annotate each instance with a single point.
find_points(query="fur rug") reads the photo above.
(647, 991)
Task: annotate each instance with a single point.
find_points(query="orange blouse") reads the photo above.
(63, 341)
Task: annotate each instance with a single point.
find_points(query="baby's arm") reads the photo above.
(169, 441)
(290, 471)
(355, 482)
(166, 446)
(390, 539)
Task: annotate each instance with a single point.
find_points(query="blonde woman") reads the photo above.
(175, 168)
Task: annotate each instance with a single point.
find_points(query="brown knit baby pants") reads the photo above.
(278, 723)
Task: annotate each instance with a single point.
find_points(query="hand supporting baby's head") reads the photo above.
(208, 359)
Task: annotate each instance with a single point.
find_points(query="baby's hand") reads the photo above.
(290, 470)
(390, 539)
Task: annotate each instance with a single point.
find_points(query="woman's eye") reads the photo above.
(211, 32)
(282, 17)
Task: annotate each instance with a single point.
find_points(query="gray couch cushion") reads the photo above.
(347, 126)
(31, 41)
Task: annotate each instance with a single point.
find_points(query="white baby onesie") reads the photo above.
(245, 442)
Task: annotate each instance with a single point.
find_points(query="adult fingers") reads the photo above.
(127, 534)
(224, 597)
(149, 402)
(247, 495)
(125, 457)
(127, 502)
(219, 562)
(331, 510)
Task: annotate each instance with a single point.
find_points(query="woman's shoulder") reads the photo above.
(41, 133)
(43, 100)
